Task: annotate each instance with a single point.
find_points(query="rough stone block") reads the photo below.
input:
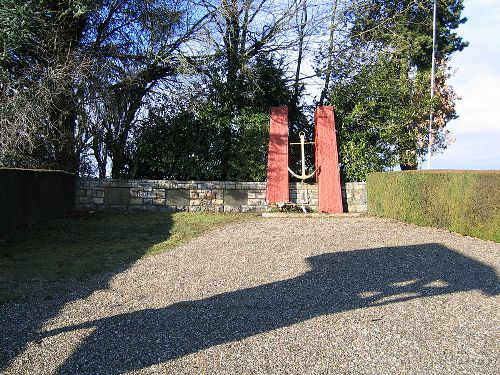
(261, 194)
(228, 208)
(118, 207)
(363, 198)
(210, 195)
(169, 184)
(98, 200)
(186, 185)
(166, 208)
(256, 202)
(206, 186)
(135, 192)
(149, 194)
(135, 201)
(120, 184)
(247, 208)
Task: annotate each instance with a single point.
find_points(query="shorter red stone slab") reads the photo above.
(327, 161)
(277, 158)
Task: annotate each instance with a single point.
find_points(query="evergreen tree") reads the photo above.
(382, 96)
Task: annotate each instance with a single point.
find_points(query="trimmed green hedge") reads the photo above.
(466, 202)
(28, 196)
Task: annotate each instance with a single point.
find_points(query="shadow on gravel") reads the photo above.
(337, 282)
(110, 242)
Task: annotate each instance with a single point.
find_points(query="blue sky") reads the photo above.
(477, 81)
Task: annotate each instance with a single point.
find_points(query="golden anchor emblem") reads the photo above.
(303, 197)
(302, 142)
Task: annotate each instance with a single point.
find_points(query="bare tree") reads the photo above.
(139, 45)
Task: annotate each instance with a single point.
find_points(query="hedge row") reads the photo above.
(28, 196)
(466, 202)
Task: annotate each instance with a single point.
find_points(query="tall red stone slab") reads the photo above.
(277, 158)
(327, 161)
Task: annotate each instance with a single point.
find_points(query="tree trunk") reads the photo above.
(301, 32)
(329, 67)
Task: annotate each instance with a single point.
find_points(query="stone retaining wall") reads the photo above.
(217, 196)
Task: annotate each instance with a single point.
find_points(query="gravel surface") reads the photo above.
(346, 295)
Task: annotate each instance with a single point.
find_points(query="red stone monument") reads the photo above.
(277, 158)
(327, 161)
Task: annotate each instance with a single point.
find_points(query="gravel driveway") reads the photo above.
(277, 296)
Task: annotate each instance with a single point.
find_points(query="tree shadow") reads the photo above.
(52, 256)
(337, 282)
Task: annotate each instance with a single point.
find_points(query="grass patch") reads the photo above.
(80, 246)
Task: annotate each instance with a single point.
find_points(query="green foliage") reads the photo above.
(406, 27)
(78, 79)
(189, 146)
(80, 246)
(359, 155)
(378, 113)
(382, 96)
(181, 147)
(466, 202)
(28, 26)
(249, 156)
(223, 136)
(18, 20)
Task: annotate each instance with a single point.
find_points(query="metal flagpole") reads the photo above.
(433, 78)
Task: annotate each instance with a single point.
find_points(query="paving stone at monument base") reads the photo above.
(338, 295)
